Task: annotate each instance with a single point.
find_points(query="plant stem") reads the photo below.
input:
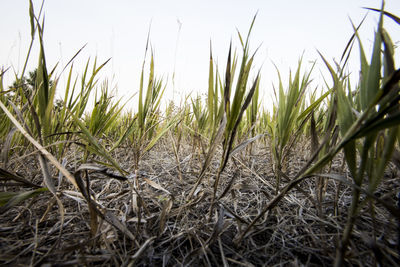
(342, 246)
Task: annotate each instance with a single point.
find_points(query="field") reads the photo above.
(213, 182)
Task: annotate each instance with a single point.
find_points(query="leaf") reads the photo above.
(46, 174)
(129, 130)
(314, 134)
(211, 151)
(232, 132)
(6, 146)
(389, 66)
(350, 42)
(6, 176)
(49, 156)
(156, 185)
(383, 157)
(388, 122)
(245, 143)
(210, 95)
(11, 199)
(314, 105)
(227, 88)
(98, 148)
(143, 248)
(345, 119)
(160, 133)
(60, 175)
(164, 214)
(91, 167)
(390, 15)
(32, 19)
(374, 71)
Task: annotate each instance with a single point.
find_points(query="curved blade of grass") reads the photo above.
(49, 156)
(345, 118)
(374, 71)
(228, 81)
(6, 146)
(11, 199)
(47, 178)
(6, 176)
(349, 46)
(127, 133)
(160, 133)
(97, 147)
(389, 66)
(245, 143)
(390, 15)
(314, 105)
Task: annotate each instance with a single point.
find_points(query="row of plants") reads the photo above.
(358, 119)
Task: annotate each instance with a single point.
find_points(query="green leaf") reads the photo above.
(390, 15)
(374, 71)
(32, 19)
(160, 133)
(96, 146)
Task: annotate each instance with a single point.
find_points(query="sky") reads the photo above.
(180, 35)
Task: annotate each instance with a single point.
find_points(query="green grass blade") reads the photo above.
(96, 146)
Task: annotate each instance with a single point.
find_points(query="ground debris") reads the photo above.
(169, 229)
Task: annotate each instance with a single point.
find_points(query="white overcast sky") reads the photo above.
(118, 29)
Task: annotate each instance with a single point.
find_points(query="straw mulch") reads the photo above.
(165, 228)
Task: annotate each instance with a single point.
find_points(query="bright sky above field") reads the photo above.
(180, 37)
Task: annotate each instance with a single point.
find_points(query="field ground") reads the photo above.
(299, 231)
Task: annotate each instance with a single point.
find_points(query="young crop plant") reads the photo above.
(200, 123)
(214, 103)
(35, 122)
(104, 113)
(233, 113)
(147, 126)
(41, 122)
(100, 120)
(289, 119)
